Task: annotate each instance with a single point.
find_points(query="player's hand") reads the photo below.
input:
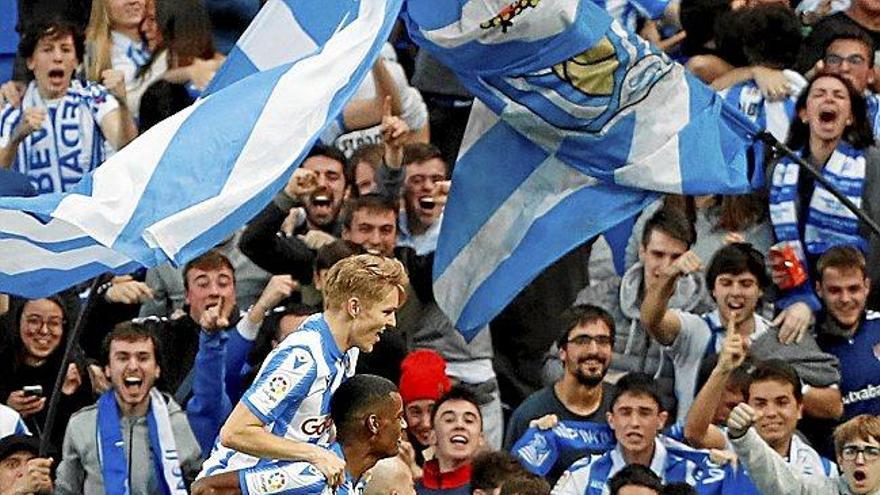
(741, 419)
(394, 132)
(793, 322)
(687, 263)
(331, 466)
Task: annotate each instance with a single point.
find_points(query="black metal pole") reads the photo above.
(817, 175)
(72, 340)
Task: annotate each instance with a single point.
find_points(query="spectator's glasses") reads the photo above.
(35, 323)
(850, 452)
(836, 60)
(585, 340)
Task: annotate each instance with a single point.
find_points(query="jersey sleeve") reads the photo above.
(282, 384)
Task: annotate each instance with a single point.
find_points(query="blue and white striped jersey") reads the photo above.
(295, 478)
(291, 394)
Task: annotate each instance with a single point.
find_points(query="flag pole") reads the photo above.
(72, 340)
(782, 148)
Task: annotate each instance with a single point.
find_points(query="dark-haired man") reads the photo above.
(635, 479)
(581, 394)
(62, 129)
(302, 217)
(737, 278)
(458, 429)
(132, 425)
(368, 414)
(849, 332)
(636, 416)
(667, 235)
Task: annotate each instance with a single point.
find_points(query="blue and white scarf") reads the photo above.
(128, 55)
(111, 448)
(829, 223)
(70, 143)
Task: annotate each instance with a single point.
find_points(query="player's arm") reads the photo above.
(245, 432)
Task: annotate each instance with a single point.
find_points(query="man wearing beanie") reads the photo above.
(423, 380)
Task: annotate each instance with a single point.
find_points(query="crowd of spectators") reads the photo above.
(737, 342)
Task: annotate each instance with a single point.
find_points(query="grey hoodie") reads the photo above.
(634, 350)
(772, 474)
(80, 472)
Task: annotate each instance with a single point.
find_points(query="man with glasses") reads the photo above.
(849, 53)
(855, 443)
(580, 394)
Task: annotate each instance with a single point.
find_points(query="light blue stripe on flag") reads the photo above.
(190, 181)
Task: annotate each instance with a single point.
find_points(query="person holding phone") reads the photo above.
(32, 362)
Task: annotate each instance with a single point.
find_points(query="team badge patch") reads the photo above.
(504, 19)
(278, 387)
(272, 482)
(876, 349)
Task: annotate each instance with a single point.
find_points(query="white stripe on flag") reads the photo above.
(28, 255)
(284, 129)
(480, 120)
(21, 224)
(120, 182)
(653, 161)
(551, 183)
(289, 41)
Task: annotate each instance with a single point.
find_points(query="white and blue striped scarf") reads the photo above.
(70, 143)
(112, 456)
(829, 223)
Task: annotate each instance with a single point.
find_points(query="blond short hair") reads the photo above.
(367, 277)
(861, 427)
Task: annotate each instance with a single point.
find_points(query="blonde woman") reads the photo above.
(114, 40)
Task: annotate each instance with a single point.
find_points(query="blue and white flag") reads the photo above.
(580, 120)
(189, 182)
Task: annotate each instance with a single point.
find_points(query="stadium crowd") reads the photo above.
(728, 343)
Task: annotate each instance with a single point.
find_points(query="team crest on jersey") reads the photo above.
(273, 482)
(876, 349)
(504, 19)
(278, 387)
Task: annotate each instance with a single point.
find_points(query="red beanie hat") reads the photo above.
(423, 376)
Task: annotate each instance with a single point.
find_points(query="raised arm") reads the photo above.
(699, 430)
(662, 323)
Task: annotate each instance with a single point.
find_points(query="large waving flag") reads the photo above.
(581, 122)
(190, 181)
